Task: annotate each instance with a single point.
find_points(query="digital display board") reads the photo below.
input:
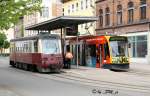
(118, 38)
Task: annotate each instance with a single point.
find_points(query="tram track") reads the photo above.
(92, 82)
(104, 83)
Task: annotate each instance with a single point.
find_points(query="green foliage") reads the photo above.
(3, 38)
(12, 10)
(6, 44)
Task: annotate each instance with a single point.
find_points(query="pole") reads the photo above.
(77, 49)
(148, 40)
(113, 18)
(65, 40)
(62, 45)
(49, 31)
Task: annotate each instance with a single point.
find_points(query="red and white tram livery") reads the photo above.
(42, 52)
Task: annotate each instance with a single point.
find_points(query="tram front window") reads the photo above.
(50, 46)
(119, 48)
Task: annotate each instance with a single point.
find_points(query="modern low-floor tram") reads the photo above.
(109, 52)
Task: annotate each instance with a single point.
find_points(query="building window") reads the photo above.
(130, 12)
(100, 17)
(68, 9)
(63, 11)
(107, 17)
(138, 46)
(143, 9)
(44, 12)
(72, 7)
(119, 14)
(77, 6)
(81, 5)
(86, 4)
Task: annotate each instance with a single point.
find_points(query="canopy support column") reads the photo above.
(62, 45)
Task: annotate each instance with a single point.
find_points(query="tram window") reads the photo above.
(93, 50)
(35, 46)
(50, 46)
(10, 50)
(16, 49)
(106, 50)
(68, 48)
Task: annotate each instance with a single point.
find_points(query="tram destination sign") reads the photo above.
(118, 38)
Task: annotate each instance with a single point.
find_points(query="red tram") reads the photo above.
(42, 52)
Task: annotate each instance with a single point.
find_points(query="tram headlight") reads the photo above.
(105, 61)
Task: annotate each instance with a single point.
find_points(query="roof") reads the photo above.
(61, 22)
(46, 35)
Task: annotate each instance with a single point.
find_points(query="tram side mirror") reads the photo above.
(129, 45)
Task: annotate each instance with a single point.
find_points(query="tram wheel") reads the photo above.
(25, 67)
(32, 68)
(17, 65)
(42, 70)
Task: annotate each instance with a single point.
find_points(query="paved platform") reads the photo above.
(97, 73)
(140, 66)
(133, 66)
(136, 76)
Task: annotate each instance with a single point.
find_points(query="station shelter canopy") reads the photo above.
(61, 22)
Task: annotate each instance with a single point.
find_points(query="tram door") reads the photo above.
(81, 54)
(90, 55)
(99, 55)
(73, 50)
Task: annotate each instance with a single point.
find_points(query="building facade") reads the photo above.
(130, 18)
(19, 28)
(81, 8)
(51, 9)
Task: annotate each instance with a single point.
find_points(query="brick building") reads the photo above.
(130, 18)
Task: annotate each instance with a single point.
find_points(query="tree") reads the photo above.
(6, 44)
(3, 39)
(12, 10)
